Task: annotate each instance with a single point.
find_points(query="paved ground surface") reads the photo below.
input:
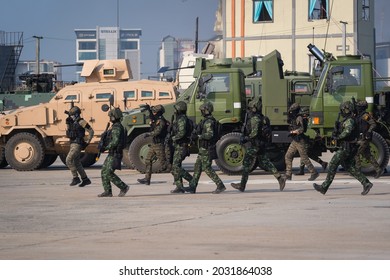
(42, 217)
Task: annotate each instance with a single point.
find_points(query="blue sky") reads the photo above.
(56, 20)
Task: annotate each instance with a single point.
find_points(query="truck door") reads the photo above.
(96, 117)
(217, 89)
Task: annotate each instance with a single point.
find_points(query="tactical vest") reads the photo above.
(256, 141)
(362, 124)
(204, 143)
(122, 139)
(189, 128)
(76, 132)
(353, 136)
(160, 138)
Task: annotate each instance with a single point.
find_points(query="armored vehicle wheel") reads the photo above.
(3, 161)
(138, 150)
(86, 159)
(126, 159)
(380, 151)
(48, 160)
(231, 154)
(24, 152)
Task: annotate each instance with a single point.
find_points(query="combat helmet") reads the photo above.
(206, 108)
(158, 109)
(180, 107)
(361, 106)
(255, 104)
(115, 114)
(346, 108)
(74, 111)
(294, 109)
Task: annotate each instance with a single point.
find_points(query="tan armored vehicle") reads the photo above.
(33, 137)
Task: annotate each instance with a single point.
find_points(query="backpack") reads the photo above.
(190, 126)
(217, 131)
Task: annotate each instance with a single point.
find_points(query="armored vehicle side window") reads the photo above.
(105, 96)
(218, 83)
(129, 94)
(146, 94)
(71, 98)
(163, 94)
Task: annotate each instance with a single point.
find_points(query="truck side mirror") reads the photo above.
(202, 86)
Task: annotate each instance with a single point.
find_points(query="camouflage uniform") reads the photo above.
(253, 134)
(181, 138)
(76, 127)
(116, 141)
(366, 124)
(205, 130)
(345, 155)
(299, 143)
(158, 130)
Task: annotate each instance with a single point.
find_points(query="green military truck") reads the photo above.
(230, 83)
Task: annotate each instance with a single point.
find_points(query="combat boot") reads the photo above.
(282, 182)
(124, 191)
(144, 181)
(85, 182)
(319, 188)
(366, 188)
(105, 194)
(189, 189)
(313, 176)
(177, 190)
(75, 181)
(219, 189)
(324, 165)
(301, 170)
(288, 177)
(378, 173)
(238, 186)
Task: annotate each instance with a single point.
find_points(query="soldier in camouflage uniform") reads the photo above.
(158, 130)
(75, 131)
(181, 138)
(206, 143)
(366, 124)
(116, 142)
(299, 142)
(254, 134)
(345, 155)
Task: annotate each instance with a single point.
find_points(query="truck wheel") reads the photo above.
(48, 160)
(3, 161)
(24, 152)
(230, 154)
(138, 151)
(126, 159)
(86, 159)
(380, 151)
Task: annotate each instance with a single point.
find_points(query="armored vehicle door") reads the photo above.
(93, 111)
(217, 89)
(65, 102)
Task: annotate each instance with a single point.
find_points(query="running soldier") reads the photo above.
(75, 131)
(366, 124)
(181, 138)
(345, 155)
(254, 134)
(158, 130)
(299, 142)
(206, 134)
(115, 144)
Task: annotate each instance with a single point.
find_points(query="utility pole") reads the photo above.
(37, 51)
(344, 46)
(196, 34)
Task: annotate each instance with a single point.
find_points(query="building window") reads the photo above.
(129, 45)
(87, 55)
(262, 10)
(87, 45)
(366, 10)
(318, 9)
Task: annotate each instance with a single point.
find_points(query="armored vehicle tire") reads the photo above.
(48, 160)
(24, 152)
(86, 159)
(380, 151)
(3, 161)
(126, 159)
(138, 150)
(231, 154)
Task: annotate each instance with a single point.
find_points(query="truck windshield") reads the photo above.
(321, 80)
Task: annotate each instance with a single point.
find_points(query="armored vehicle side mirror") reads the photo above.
(105, 108)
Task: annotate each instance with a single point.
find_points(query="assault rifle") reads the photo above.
(168, 139)
(337, 129)
(103, 142)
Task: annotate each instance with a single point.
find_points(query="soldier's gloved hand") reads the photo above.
(69, 120)
(147, 135)
(369, 135)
